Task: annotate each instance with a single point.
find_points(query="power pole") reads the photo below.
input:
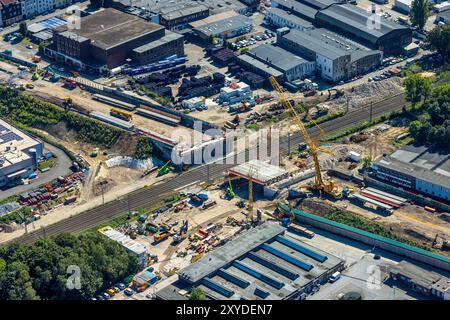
(128, 204)
(347, 105)
(371, 110)
(289, 143)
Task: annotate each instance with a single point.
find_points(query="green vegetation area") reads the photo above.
(252, 126)
(432, 109)
(197, 294)
(27, 112)
(325, 118)
(162, 100)
(362, 223)
(47, 269)
(13, 198)
(17, 216)
(45, 164)
(143, 148)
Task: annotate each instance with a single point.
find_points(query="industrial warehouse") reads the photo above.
(263, 263)
(93, 49)
(19, 154)
(417, 168)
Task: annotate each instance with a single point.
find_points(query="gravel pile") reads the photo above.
(367, 92)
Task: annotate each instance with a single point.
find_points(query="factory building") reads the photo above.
(171, 43)
(10, 12)
(224, 28)
(416, 168)
(296, 8)
(365, 27)
(427, 283)
(107, 38)
(178, 17)
(291, 66)
(281, 18)
(264, 263)
(19, 154)
(336, 57)
(402, 5)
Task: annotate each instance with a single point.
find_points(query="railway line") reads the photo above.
(147, 196)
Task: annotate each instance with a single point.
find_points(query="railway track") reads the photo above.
(146, 197)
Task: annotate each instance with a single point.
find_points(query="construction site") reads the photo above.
(344, 188)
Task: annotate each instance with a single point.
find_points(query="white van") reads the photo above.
(335, 276)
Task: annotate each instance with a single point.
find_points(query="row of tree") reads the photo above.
(433, 124)
(35, 113)
(65, 267)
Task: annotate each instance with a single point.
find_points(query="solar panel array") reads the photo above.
(7, 136)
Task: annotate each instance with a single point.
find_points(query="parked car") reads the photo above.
(106, 295)
(128, 292)
(335, 276)
(116, 289)
(100, 297)
(121, 286)
(111, 292)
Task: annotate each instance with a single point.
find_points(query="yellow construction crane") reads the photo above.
(329, 187)
(230, 191)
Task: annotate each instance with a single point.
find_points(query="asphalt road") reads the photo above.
(145, 197)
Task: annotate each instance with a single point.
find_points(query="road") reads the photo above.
(145, 197)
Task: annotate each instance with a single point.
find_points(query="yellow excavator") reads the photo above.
(328, 187)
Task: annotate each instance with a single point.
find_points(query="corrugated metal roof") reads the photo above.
(277, 57)
(355, 20)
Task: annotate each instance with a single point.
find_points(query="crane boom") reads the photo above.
(294, 115)
(328, 187)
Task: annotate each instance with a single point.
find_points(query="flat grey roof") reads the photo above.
(259, 65)
(169, 36)
(276, 56)
(354, 20)
(236, 22)
(261, 171)
(299, 8)
(428, 158)
(175, 12)
(110, 27)
(420, 276)
(413, 170)
(290, 17)
(230, 251)
(262, 260)
(315, 43)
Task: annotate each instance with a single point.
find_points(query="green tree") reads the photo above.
(23, 29)
(417, 88)
(143, 148)
(439, 40)
(366, 162)
(197, 294)
(15, 283)
(419, 13)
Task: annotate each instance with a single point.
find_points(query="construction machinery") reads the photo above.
(230, 192)
(121, 114)
(35, 74)
(328, 187)
(164, 169)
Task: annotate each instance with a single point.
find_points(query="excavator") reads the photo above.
(328, 187)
